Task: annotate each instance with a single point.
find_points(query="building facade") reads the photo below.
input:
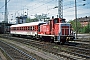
(21, 19)
(84, 21)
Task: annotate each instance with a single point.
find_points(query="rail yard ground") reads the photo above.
(2, 57)
(78, 50)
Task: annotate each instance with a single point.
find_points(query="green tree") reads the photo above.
(42, 17)
(31, 20)
(73, 24)
(27, 20)
(86, 29)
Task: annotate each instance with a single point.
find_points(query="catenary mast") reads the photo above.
(60, 8)
(6, 15)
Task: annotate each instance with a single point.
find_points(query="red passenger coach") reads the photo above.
(29, 29)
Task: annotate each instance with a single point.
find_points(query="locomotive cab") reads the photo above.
(61, 30)
(53, 22)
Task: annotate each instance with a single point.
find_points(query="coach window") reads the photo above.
(23, 28)
(20, 28)
(35, 28)
(31, 28)
(16, 28)
(28, 27)
(13, 28)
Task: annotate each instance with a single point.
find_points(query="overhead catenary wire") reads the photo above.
(5, 4)
(44, 4)
(71, 5)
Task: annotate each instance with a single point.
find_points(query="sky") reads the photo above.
(32, 7)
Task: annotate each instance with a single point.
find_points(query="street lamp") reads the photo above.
(27, 12)
(76, 16)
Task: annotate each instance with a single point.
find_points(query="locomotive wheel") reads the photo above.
(52, 40)
(62, 42)
(36, 37)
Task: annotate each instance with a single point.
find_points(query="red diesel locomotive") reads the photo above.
(56, 30)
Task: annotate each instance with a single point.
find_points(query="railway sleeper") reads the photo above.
(81, 55)
(69, 56)
(81, 52)
(23, 53)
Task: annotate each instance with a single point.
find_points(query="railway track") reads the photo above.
(83, 38)
(72, 52)
(14, 53)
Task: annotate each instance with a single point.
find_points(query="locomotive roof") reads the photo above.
(28, 24)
